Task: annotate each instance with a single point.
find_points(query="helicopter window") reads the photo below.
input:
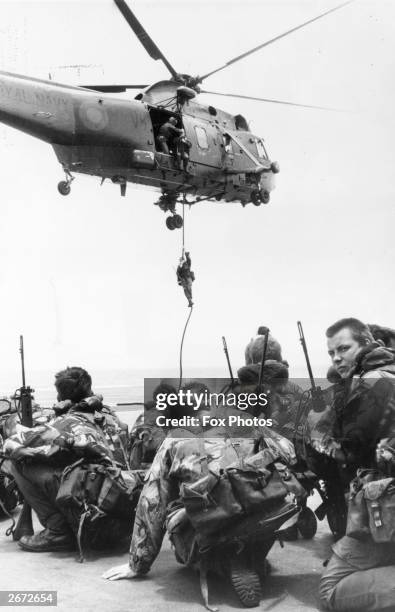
(201, 137)
(260, 147)
(241, 123)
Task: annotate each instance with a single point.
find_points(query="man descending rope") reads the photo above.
(185, 276)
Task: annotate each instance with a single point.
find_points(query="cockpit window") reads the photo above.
(241, 123)
(201, 137)
(260, 148)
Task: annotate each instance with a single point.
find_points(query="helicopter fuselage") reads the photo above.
(116, 138)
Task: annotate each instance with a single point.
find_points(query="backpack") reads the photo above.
(371, 507)
(380, 502)
(147, 440)
(98, 503)
(257, 485)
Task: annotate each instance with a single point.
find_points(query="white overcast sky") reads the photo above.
(90, 279)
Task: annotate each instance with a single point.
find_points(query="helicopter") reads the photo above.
(213, 157)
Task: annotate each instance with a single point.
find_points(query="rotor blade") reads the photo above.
(229, 95)
(272, 40)
(113, 88)
(143, 36)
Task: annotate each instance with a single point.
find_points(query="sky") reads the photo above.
(89, 279)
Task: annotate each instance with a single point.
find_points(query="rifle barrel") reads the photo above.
(24, 525)
(25, 393)
(228, 360)
(265, 343)
(22, 360)
(306, 354)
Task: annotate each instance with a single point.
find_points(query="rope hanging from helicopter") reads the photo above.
(181, 347)
(185, 277)
(183, 230)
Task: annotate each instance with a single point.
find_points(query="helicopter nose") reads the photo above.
(275, 167)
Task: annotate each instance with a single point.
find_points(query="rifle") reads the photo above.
(329, 482)
(25, 393)
(232, 383)
(316, 394)
(264, 352)
(265, 343)
(24, 396)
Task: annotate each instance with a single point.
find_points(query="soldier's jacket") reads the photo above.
(39, 416)
(285, 398)
(116, 434)
(318, 426)
(64, 440)
(146, 437)
(107, 422)
(362, 412)
(179, 460)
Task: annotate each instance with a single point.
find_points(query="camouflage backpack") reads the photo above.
(99, 503)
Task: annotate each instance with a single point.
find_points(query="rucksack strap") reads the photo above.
(203, 582)
(71, 467)
(79, 535)
(10, 529)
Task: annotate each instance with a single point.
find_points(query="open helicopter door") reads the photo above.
(206, 141)
(158, 117)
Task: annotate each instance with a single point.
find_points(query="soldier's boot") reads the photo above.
(47, 541)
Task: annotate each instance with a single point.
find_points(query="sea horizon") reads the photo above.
(117, 385)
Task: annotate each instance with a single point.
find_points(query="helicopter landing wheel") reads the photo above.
(178, 222)
(265, 197)
(64, 188)
(256, 198)
(170, 224)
